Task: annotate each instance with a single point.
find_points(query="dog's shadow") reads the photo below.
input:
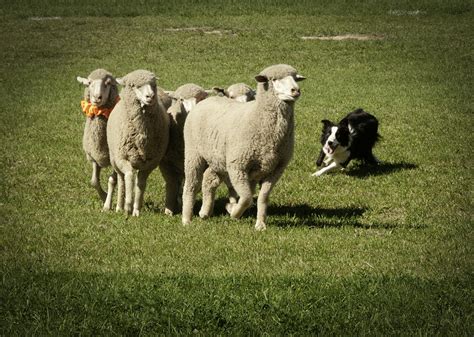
(363, 171)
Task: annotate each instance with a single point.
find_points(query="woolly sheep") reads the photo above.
(164, 97)
(248, 143)
(100, 97)
(241, 92)
(137, 134)
(172, 166)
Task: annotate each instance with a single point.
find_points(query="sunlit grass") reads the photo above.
(367, 252)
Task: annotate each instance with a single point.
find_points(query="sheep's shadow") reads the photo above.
(304, 215)
(364, 171)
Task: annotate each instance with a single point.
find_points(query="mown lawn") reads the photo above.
(381, 251)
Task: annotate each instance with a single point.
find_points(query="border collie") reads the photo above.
(352, 138)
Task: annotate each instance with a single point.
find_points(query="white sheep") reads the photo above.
(172, 166)
(241, 92)
(100, 97)
(137, 134)
(248, 143)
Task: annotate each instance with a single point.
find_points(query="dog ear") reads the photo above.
(327, 123)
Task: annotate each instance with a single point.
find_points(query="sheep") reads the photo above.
(100, 97)
(164, 97)
(241, 92)
(172, 166)
(247, 143)
(138, 135)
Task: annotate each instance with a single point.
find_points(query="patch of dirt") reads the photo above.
(358, 37)
(398, 12)
(202, 30)
(44, 18)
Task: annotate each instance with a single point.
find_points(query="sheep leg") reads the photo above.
(120, 191)
(241, 184)
(140, 187)
(173, 182)
(194, 170)
(210, 183)
(128, 191)
(266, 187)
(110, 191)
(232, 193)
(95, 181)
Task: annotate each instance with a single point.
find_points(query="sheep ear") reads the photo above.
(299, 78)
(120, 81)
(189, 104)
(171, 94)
(83, 80)
(261, 78)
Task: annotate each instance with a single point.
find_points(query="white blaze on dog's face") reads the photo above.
(333, 146)
(99, 90)
(146, 94)
(286, 89)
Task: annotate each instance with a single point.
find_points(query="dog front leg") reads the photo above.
(333, 166)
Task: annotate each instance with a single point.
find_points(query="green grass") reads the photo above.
(384, 251)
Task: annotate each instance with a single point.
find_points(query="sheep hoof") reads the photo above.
(106, 208)
(169, 212)
(260, 225)
(186, 222)
(136, 212)
(203, 215)
(229, 207)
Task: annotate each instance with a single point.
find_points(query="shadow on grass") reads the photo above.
(364, 171)
(75, 303)
(300, 215)
(304, 215)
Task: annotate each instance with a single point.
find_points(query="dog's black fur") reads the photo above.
(357, 133)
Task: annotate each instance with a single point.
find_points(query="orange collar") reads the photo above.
(92, 111)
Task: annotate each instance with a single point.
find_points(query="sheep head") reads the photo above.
(240, 92)
(143, 85)
(282, 79)
(99, 84)
(189, 95)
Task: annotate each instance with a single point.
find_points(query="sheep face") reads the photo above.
(286, 89)
(99, 89)
(247, 95)
(282, 80)
(146, 94)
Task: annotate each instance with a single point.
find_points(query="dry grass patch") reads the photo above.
(358, 37)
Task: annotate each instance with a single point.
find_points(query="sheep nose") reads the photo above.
(150, 95)
(295, 92)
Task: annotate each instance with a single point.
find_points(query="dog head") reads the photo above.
(335, 138)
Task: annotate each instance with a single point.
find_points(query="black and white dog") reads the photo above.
(352, 138)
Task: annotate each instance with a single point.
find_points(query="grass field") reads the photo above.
(385, 251)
